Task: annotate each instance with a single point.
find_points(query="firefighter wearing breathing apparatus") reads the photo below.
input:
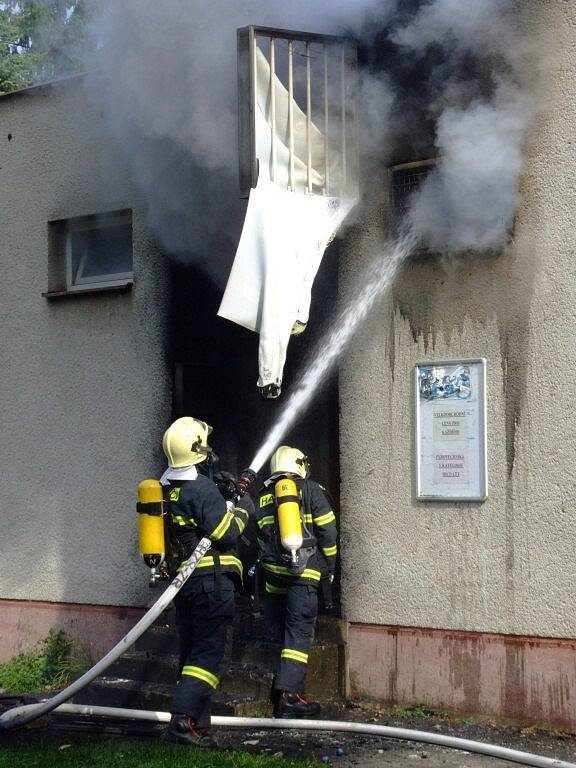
(297, 538)
(205, 605)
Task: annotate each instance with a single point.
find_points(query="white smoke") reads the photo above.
(482, 114)
(469, 200)
(171, 102)
(482, 25)
(174, 62)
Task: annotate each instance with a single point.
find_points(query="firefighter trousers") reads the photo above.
(203, 616)
(291, 608)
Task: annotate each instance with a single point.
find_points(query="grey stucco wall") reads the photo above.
(506, 565)
(84, 391)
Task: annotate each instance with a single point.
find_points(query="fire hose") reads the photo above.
(28, 712)
(257, 723)
(19, 716)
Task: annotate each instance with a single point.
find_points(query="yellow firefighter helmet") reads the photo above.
(289, 460)
(185, 442)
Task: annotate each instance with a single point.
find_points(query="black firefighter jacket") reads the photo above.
(319, 524)
(198, 510)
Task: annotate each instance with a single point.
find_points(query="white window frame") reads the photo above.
(88, 223)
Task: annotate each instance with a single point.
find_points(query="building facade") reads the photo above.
(462, 607)
(85, 390)
(468, 607)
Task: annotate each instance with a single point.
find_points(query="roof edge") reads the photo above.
(31, 89)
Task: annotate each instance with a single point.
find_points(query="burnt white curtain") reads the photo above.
(285, 232)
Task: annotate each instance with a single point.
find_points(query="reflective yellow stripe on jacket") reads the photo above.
(281, 570)
(222, 527)
(325, 519)
(208, 561)
(240, 522)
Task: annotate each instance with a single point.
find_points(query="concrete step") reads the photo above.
(158, 639)
(243, 681)
(242, 675)
(163, 636)
(252, 659)
(117, 692)
(326, 665)
(263, 653)
(146, 667)
(120, 692)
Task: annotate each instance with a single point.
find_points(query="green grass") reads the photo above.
(53, 663)
(131, 754)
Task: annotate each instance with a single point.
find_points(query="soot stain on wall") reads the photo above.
(436, 297)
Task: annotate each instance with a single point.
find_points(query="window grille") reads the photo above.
(406, 180)
(297, 113)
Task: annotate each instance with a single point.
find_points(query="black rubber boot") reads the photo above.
(182, 730)
(288, 705)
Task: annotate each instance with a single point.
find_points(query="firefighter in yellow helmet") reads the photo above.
(292, 578)
(205, 604)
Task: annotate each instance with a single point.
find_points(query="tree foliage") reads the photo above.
(40, 40)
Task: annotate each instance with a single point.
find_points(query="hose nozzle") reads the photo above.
(245, 480)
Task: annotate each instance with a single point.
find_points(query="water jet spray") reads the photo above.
(375, 282)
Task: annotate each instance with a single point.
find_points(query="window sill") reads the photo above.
(122, 288)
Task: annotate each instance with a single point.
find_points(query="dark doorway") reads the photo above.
(215, 366)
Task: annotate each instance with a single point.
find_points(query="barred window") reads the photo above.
(406, 179)
(297, 114)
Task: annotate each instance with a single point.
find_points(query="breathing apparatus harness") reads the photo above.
(159, 546)
(294, 543)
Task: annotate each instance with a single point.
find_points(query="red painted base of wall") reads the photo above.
(524, 680)
(98, 627)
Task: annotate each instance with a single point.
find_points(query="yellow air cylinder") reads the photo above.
(151, 522)
(289, 515)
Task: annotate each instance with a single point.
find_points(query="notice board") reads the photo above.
(450, 433)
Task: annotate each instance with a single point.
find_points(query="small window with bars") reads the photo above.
(406, 180)
(297, 114)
